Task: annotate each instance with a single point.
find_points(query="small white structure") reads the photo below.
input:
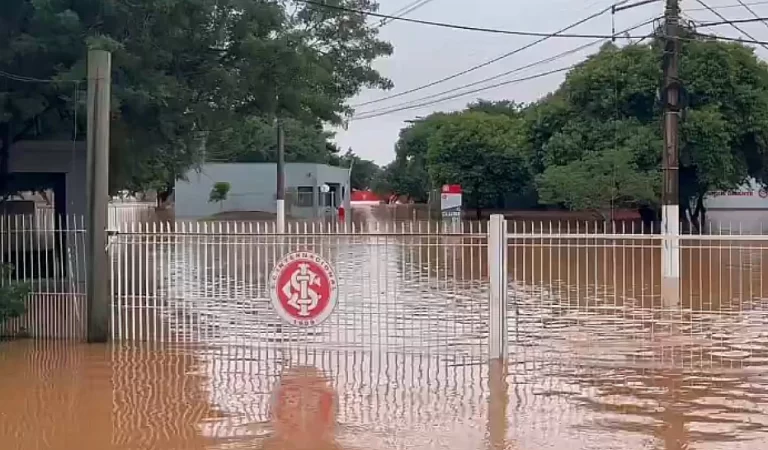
(742, 210)
(253, 187)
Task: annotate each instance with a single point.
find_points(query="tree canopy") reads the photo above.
(186, 73)
(364, 172)
(486, 154)
(596, 141)
(255, 140)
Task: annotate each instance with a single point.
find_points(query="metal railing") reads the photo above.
(125, 212)
(49, 255)
(572, 292)
(590, 294)
(409, 288)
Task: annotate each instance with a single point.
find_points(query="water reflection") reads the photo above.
(221, 397)
(77, 397)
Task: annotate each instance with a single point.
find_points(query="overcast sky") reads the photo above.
(424, 54)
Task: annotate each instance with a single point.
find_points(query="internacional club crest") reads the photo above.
(303, 289)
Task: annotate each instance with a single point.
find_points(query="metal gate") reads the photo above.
(402, 287)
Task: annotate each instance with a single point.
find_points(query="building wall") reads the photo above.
(253, 188)
(55, 157)
(742, 210)
(62, 157)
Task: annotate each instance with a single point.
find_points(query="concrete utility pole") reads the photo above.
(99, 92)
(670, 215)
(280, 177)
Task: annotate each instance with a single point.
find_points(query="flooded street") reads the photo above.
(595, 361)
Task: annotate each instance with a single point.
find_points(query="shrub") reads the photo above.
(12, 294)
(219, 192)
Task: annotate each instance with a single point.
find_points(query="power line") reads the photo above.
(752, 11)
(701, 2)
(729, 6)
(730, 22)
(509, 72)
(454, 26)
(407, 9)
(25, 79)
(725, 38)
(462, 94)
(491, 61)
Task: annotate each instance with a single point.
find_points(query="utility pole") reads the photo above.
(280, 177)
(670, 214)
(99, 92)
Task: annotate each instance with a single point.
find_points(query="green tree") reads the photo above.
(219, 192)
(486, 154)
(382, 183)
(408, 173)
(505, 107)
(185, 72)
(598, 181)
(607, 112)
(364, 171)
(255, 140)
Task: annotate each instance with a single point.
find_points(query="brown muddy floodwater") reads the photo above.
(593, 364)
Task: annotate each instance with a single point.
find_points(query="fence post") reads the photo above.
(497, 274)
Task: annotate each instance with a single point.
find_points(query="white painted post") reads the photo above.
(497, 273)
(670, 257)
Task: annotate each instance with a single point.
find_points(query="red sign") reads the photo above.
(303, 289)
(451, 189)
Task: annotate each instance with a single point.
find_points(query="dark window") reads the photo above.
(304, 196)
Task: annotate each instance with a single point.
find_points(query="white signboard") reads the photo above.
(751, 196)
(450, 204)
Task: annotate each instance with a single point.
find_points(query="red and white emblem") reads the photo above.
(303, 289)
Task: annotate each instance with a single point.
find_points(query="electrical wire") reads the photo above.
(702, 3)
(462, 94)
(510, 72)
(729, 22)
(458, 26)
(25, 79)
(407, 9)
(752, 11)
(725, 38)
(729, 6)
(491, 61)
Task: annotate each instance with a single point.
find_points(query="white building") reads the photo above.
(253, 187)
(743, 210)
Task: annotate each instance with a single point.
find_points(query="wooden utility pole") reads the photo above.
(99, 92)
(670, 214)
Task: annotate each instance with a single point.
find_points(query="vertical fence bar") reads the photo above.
(497, 272)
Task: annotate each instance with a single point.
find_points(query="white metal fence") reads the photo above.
(48, 254)
(567, 292)
(404, 288)
(590, 294)
(49, 257)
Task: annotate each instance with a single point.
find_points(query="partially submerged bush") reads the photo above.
(219, 192)
(12, 294)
